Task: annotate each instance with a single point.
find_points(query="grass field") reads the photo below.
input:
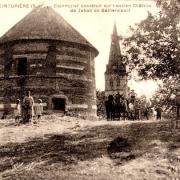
(69, 148)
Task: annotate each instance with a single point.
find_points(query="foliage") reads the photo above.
(166, 95)
(154, 48)
(100, 103)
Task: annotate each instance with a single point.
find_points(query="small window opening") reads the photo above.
(111, 83)
(22, 66)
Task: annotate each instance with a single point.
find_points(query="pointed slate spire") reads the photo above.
(115, 29)
(115, 52)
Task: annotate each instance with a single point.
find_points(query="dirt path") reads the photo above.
(67, 148)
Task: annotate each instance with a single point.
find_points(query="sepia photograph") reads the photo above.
(90, 90)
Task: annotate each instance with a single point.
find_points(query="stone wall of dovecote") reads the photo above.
(53, 68)
(1, 75)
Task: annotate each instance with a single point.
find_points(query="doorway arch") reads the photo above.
(58, 102)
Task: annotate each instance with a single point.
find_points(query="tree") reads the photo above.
(100, 103)
(154, 47)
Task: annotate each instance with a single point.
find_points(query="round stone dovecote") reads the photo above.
(46, 55)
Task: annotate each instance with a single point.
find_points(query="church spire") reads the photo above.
(115, 29)
(116, 74)
(115, 52)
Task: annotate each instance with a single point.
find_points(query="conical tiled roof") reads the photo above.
(44, 23)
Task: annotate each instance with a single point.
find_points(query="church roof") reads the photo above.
(115, 52)
(116, 64)
(44, 23)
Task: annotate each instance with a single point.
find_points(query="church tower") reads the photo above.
(116, 75)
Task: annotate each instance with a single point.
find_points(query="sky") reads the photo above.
(96, 27)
